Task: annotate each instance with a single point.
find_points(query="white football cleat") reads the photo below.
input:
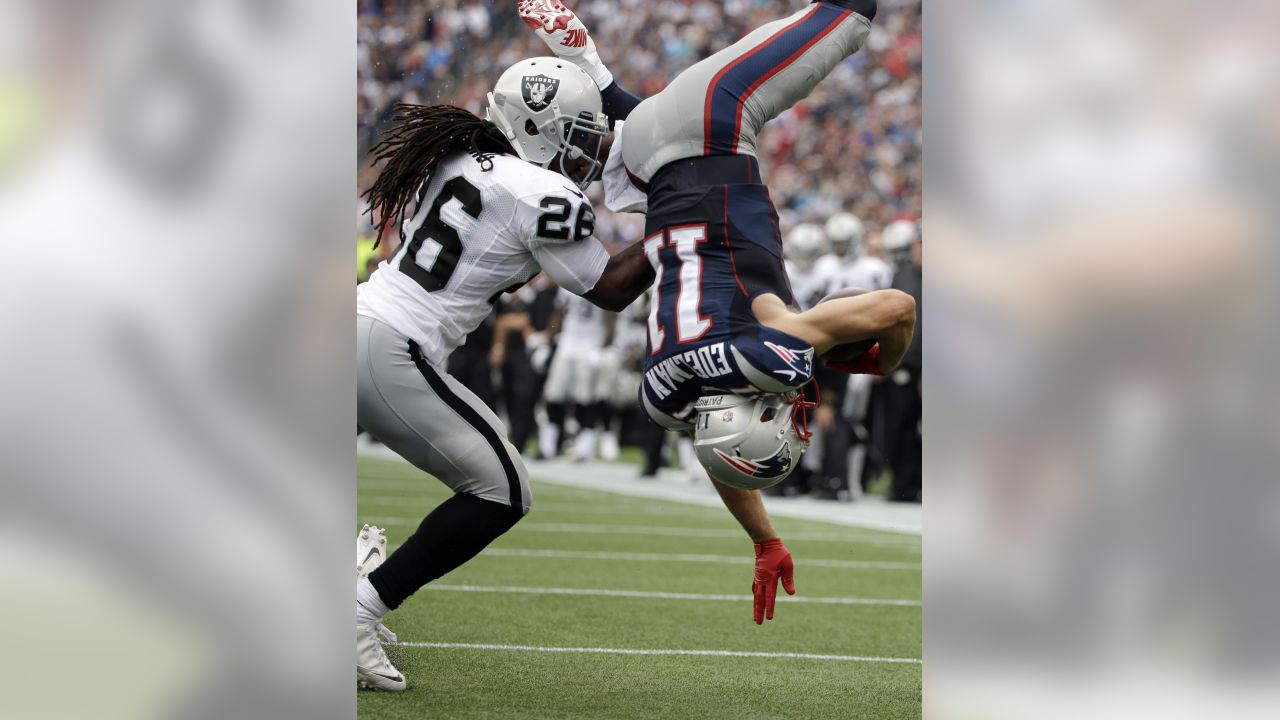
(371, 550)
(566, 35)
(584, 446)
(373, 669)
(609, 446)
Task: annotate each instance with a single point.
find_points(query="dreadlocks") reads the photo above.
(421, 137)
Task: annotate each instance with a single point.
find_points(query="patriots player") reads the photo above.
(483, 205)
(722, 318)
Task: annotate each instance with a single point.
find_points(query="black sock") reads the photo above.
(604, 415)
(586, 415)
(555, 415)
(452, 534)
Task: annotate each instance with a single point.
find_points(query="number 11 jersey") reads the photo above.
(715, 248)
(474, 234)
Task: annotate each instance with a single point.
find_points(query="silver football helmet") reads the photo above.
(804, 245)
(547, 107)
(846, 233)
(750, 442)
(898, 237)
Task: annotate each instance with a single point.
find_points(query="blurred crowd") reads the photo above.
(852, 149)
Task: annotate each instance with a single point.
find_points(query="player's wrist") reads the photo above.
(765, 545)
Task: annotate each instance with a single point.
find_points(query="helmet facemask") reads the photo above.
(583, 139)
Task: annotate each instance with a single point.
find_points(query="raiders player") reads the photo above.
(721, 319)
(850, 265)
(573, 376)
(483, 206)
(805, 247)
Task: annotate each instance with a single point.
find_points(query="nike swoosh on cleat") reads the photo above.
(372, 552)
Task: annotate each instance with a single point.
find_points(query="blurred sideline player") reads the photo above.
(850, 265)
(902, 389)
(484, 205)
(722, 320)
(581, 372)
(805, 248)
(847, 421)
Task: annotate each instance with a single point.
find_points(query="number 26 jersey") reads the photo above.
(473, 235)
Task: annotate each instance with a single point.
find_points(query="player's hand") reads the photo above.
(868, 363)
(556, 24)
(773, 563)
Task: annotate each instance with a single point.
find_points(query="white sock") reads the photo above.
(369, 605)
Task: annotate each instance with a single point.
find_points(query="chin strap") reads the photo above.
(799, 420)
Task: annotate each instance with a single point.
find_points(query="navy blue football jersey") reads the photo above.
(715, 249)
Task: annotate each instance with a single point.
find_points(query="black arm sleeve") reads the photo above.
(617, 103)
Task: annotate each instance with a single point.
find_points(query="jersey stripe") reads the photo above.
(472, 418)
(733, 84)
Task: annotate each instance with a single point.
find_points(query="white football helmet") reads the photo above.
(750, 442)
(804, 245)
(846, 233)
(899, 234)
(547, 107)
(898, 237)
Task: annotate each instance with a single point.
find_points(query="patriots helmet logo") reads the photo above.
(776, 465)
(800, 362)
(539, 91)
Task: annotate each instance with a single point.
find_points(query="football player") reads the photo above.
(575, 375)
(804, 247)
(850, 265)
(483, 206)
(722, 318)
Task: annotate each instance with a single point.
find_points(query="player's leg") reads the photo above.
(606, 386)
(738, 89)
(555, 393)
(584, 406)
(437, 424)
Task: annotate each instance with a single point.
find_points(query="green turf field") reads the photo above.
(596, 545)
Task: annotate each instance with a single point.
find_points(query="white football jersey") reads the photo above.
(866, 272)
(808, 286)
(583, 327)
(473, 236)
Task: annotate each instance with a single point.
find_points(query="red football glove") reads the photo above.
(772, 562)
(868, 363)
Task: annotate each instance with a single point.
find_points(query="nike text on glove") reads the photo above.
(566, 35)
(773, 562)
(868, 363)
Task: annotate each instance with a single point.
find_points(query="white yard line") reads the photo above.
(601, 592)
(619, 479)
(692, 558)
(593, 507)
(655, 651)
(905, 543)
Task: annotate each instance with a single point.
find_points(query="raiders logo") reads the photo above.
(539, 91)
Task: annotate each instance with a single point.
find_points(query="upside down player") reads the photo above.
(722, 325)
(485, 205)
